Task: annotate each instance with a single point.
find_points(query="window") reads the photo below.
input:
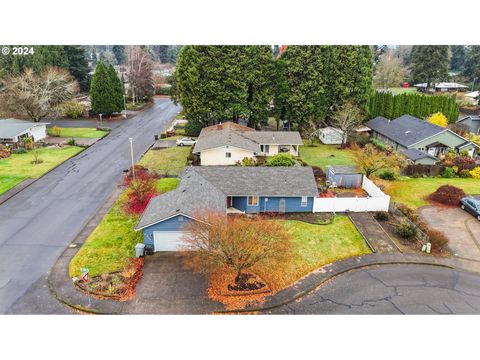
(253, 201)
(304, 201)
(228, 155)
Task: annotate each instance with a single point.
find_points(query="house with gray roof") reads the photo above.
(472, 122)
(13, 130)
(408, 132)
(228, 190)
(229, 143)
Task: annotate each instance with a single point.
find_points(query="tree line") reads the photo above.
(391, 106)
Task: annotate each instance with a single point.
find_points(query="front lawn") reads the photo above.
(313, 247)
(91, 133)
(170, 161)
(413, 191)
(323, 155)
(18, 167)
(110, 246)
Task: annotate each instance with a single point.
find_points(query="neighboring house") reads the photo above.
(330, 135)
(418, 157)
(443, 86)
(13, 130)
(228, 143)
(472, 122)
(225, 189)
(344, 176)
(408, 132)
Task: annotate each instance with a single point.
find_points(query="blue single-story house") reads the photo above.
(225, 189)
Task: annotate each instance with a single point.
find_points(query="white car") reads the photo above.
(186, 141)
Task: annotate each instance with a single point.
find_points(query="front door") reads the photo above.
(229, 201)
(281, 205)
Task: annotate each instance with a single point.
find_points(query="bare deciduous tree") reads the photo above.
(238, 242)
(140, 73)
(346, 118)
(389, 71)
(36, 95)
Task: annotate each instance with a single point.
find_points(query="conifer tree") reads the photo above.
(102, 92)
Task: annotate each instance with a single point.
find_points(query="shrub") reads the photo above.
(71, 141)
(247, 161)
(464, 173)
(318, 172)
(382, 215)
(380, 145)
(72, 109)
(56, 131)
(4, 151)
(164, 90)
(447, 194)
(409, 212)
(193, 128)
(388, 175)
(475, 173)
(448, 173)
(463, 162)
(19, 150)
(406, 230)
(28, 143)
(140, 190)
(438, 119)
(437, 238)
(281, 160)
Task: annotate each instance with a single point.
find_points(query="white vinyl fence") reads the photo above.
(377, 200)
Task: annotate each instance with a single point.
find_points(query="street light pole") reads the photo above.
(131, 154)
(125, 106)
(101, 124)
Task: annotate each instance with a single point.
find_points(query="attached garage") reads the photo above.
(168, 240)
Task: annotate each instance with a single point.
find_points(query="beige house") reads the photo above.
(228, 143)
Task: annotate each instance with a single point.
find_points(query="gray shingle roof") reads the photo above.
(194, 193)
(258, 180)
(9, 128)
(243, 137)
(344, 169)
(472, 117)
(414, 154)
(405, 130)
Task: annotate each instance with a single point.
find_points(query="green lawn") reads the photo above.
(91, 133)
(18, 167)
(401, 90)
(112, 243)
(413, 192)
(314, 246)
(169, 161)
(323, 155)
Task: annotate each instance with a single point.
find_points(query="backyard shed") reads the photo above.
(330, 135)
(345, 176)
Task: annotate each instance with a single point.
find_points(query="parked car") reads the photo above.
(472, 206)
(186, 141)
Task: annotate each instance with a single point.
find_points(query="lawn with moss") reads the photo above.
(110, 246)
(18, 167)
(170, 161)
(323, 155)
(313, 247)
(414, 191)
(90, 133)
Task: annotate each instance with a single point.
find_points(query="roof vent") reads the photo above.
(178, 210)
(407, 132)
(273, 137)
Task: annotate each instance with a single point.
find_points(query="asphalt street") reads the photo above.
(38, 223)
(393, 289)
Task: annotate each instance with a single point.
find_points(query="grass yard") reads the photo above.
(110, 246)
(91, 133)
(323, 155)
(401, 90)
(314, 246)
(169, 161)
(18, 167)
(413, 191)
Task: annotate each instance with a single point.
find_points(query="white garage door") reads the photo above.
(168, 240)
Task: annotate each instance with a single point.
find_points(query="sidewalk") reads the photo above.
(375, 236)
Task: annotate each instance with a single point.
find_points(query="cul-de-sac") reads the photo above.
(240, 179)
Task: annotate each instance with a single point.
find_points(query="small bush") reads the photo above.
(28, 143)
(72, 109)
(389, 175)
(378, 144)
(280, 160)
(475, 173)
(247, 161)
(193, 128)
(20, 150)
(318, 172)
(464, 173)
(382, 215)
(71, 141)
(447, 194)
(164, 90)
(56, 131)
(4, 151)
(448, 173)
(406, 230)
(409, 212)
(437, 238)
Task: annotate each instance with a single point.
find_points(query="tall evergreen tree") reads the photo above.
(457, 61)
(472, 65)
(102, 92)
(117, 85)
(429, 63)
(78, 65)
(119, 52)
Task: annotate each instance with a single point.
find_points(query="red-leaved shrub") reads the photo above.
(140, 190)
(447, 194)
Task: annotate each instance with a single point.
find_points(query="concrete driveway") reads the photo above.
(169, 287)
(461, 228)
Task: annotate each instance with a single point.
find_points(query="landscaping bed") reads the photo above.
(18, 167)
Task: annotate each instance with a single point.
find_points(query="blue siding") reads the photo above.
(173, 224)
(292, 204)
